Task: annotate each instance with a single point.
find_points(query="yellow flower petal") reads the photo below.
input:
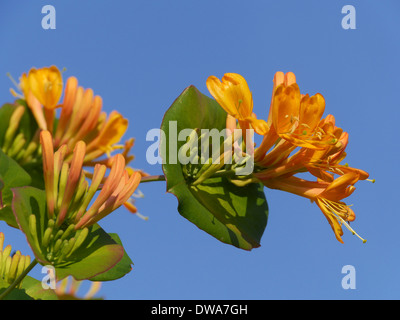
(46, 85)
(111, 133)
(232, 94)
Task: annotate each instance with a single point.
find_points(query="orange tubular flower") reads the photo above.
(234, 96)
(68, 192)
(295, 121)
(295, 140)
(81, 118)
(296, 117)
(326, 195)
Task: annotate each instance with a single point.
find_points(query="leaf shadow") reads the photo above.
(243, 210)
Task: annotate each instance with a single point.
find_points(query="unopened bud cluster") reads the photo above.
(205, 156)
(16, 144)
(11, 264)
(57, 245)
(70, 212)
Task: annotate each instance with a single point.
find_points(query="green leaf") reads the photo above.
(11, 175)
(234, 215)
(97, 254)
(6, 111)
(28, 124)
(123, 267)
(34, 289)
(31, 289)
(16, 294)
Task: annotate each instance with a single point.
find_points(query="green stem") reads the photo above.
(18, 280)
(153, 178)
(224, 173)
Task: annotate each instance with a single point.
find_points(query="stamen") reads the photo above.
(371, 180)
(138, 194)
(352, 231)
(13, 81)
(337, 216)
(142, 216)
(339, 171)
(15, 94)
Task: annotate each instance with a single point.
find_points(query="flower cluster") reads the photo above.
(81, 136)
(81, 116)
(68, 195)
(81, 119)
(17, 143)
(68, 192)
(295, 139)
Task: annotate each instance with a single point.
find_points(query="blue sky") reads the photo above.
(140, 55)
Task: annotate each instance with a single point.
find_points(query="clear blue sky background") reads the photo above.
(140, 55)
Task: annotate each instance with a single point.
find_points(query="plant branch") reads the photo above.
(153, 178)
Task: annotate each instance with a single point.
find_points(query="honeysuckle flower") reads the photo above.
(130, 203)
(46, 85)
(68, 193)
(74, 205)
(82, 118)
(11, 265)
(327, 196)
(326, 191)
(41, 87)
(296, 139)
(295, 121)
(108, 137)
(296, 117)
(320, 163)
(234, 96)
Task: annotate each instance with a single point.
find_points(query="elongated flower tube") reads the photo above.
(82, 118)
(68, 192)
(296, 120)
(11, 265)
(73, 205)
(327, 196)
